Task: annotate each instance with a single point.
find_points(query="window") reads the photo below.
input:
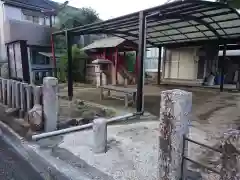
(35, 19)
(28, 18)
(15, 59)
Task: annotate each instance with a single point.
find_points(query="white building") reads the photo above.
(24, 20)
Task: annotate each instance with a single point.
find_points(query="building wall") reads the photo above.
(34, 34)
(12, 13)
(181, 65)
(14, 25)
(3, 56)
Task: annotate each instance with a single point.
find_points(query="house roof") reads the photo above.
(105, 43)
(36, 4)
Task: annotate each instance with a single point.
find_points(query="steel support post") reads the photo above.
(141, 52)
(159, 65)
(69, 55)
(222, 67)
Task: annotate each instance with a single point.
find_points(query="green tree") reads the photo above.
(70, 17)
(232, 3)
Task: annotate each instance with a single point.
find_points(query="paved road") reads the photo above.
(13, 167)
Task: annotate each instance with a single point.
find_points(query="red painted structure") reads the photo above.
(117, 55)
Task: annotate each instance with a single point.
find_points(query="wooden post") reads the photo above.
(175, 110)
(116, 65)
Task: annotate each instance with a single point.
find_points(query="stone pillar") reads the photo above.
(100, 135)
(9, 93)
(22, 99)
(4, 91)
(28, 89)
(17, 95)
(13, 93)
(50, 103)
(175, 110)
(1, 92)
(37, 94)
(231, 155)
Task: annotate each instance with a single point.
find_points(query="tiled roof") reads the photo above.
(45, 4)
(105, 43)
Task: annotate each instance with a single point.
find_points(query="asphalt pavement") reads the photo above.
(13, 167)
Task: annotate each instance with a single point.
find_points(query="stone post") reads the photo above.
(13, 82)
(1, 92)
(4, 92)
(175, 110)
(231, 155)
(9, 94)
(50, 103)
(22, 99)
(37, 94)
(17, 95)
(100, 135)
(28, 89)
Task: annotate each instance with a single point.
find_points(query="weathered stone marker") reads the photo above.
(100, 135)
(231, 155)
(50, 103)
(175, 110)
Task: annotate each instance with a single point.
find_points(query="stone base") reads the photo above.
(12, 111)
(21, 114)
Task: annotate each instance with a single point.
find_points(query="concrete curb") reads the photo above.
(44, 168)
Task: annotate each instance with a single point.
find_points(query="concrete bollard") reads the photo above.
(9, 93)
(100, 135)
(50, 103)
(4, 91)
(37, 94)
(13, 93)
(175, 109)
(231, 155)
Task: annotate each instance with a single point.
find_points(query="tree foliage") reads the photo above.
(70, 17)
(78, 64)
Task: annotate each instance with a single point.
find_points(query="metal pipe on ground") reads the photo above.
(78, 128)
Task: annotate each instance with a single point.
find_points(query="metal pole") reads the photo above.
(78, 128)
(222, 67)
(141, 51)
(69, 53)
(159, 64)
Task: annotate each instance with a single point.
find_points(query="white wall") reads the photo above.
(181, 63)
(3, 54)
(13, 13)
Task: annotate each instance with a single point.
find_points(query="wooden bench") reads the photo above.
(129, 93)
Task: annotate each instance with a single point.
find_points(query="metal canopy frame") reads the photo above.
(180, 23)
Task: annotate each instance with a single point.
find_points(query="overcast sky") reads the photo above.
(113, 8)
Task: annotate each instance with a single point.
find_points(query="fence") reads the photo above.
(19, 95)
